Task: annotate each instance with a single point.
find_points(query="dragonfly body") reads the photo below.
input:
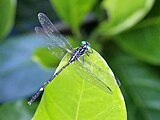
(79, 52)
(74, 56)
(58, 45)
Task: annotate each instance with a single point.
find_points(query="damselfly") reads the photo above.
(59, 46)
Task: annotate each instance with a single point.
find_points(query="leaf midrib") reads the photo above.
(79, 101)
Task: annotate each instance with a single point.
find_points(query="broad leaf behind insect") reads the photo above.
(73, 11)
(7, 10)
(70, 97)
(122, 15)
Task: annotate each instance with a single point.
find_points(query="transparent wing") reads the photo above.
(89, 75)
(55, 36)
(54, 48)
(98, 70)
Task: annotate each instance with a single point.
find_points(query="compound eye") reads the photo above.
(88, 47)
(83, 42)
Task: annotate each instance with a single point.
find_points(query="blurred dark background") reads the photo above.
(126, 33)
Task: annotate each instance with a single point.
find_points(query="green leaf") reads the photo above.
(48, 61)
(16, 111)
(122, 15)
(140, 84)
(73, 11)
(154, 12)
(70, 97)
(143, 41)
(7, 10)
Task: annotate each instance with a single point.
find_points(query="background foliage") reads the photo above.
(126, 33)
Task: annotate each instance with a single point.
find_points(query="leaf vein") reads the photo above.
(79, 102)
